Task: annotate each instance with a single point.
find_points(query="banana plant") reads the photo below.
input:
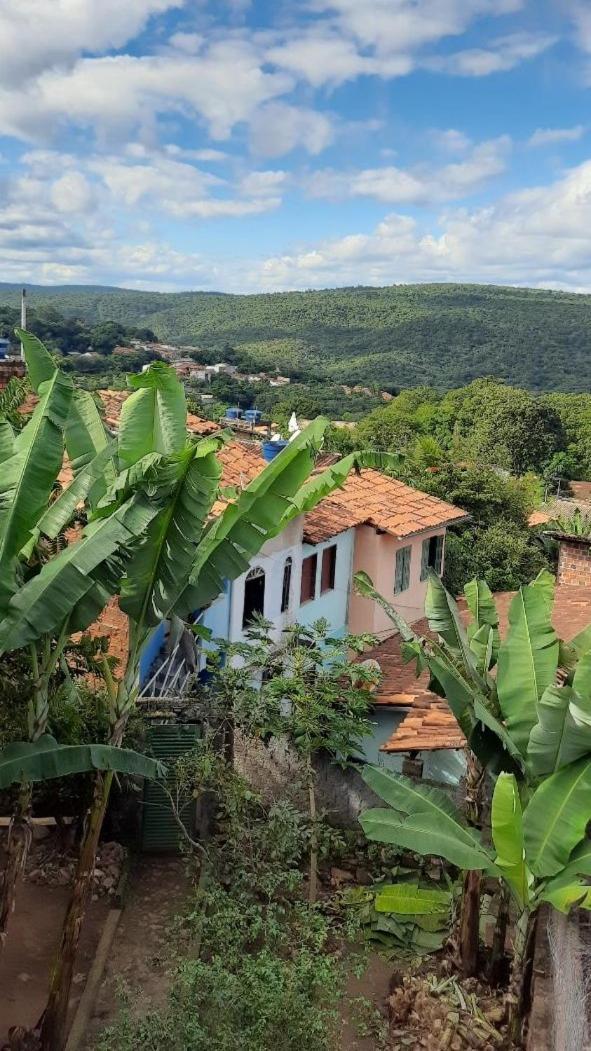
(88, 571)
(520, 719)
(540, 850)
(178, 559)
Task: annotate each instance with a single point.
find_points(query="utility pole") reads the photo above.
(23, 317)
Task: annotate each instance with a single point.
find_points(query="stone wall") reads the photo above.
(276, 772)
(341, 793)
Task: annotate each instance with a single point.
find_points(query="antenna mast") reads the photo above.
(23, 317)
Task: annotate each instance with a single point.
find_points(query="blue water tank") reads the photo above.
(233, 414)
(272, 449)
(4, 347)
(253, 415)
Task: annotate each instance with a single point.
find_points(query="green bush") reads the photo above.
(503, 554)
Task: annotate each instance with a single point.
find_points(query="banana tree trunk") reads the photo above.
(497, 955)
(20, 835)
(470, 924)
(19, 839)
(469, 933)
(519, 998)
(55, 1017)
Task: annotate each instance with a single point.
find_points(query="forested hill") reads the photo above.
(443, 335)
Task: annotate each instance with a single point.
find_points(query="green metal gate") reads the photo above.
(160, 832)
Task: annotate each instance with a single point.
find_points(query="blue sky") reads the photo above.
(258, 146)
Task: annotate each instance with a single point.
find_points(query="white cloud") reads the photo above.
(330, 58)
(451, 140)
(36, 35)
(420, 185)
(277, 128)
(540, 236)
(552, 136)
(400, 26)
(581, 16)
(224, 85)
(261, 183)
(72, 193)
(499, 56)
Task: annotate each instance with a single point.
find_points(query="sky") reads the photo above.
(290, 144)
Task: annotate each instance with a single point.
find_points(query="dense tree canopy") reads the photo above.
(70, 335)
(445, 335)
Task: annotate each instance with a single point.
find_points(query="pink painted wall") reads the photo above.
(375, 554)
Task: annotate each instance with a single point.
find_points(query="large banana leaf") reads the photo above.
(44, 759)
(261, 511)
(481, 604)
(27, 477)
(153, 418)
(444, 619)
(422, 819)
(556, 817)
(6, 441)
(475, 711)
(85, 434)
(458, 693)
(582, 677)
(86, 438)
(507, 835)
(482, 646)
(582, 642)
(569, 886)
(471, 706)
(46, 601)
(60, 512)
(528, 659)
(157, 573)
(410, 900)
(40, 365)
(426, 834)
(563, 731)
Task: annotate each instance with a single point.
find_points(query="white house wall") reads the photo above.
(271, 560)
(332, 605)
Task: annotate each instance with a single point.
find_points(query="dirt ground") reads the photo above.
(157, 889)
(32, 939)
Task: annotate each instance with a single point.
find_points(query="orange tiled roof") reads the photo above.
(428, 727)
(430, 724)
(378, 500)
(112, 400)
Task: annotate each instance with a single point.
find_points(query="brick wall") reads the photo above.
(9, 368)
(574, 563)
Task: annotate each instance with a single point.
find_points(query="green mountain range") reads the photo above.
(443, 335)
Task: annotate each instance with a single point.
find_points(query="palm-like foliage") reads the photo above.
(529, 724)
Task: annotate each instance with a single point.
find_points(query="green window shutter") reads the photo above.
(160, 832)
(438, 554)
(398, 573)
(406, 574)
(402, 573)
(425, 560)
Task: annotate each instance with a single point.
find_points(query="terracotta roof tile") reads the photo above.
(430, 724)
(112, 400)
(378, 500)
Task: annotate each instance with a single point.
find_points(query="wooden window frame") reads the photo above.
(328, 569)
(309, 560)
